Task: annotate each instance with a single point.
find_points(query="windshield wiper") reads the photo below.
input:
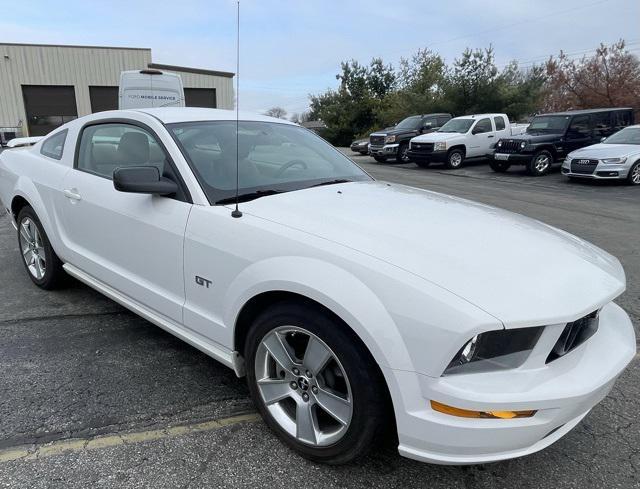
(249, 196)
(331, 182)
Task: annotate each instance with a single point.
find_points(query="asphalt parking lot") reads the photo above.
(92, 395)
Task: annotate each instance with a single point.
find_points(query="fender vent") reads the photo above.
(573, 335)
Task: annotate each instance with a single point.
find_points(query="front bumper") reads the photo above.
(385, 150)
(562, 392)
(601, 171)
(512, 158)
(431, 156)
(360, 148)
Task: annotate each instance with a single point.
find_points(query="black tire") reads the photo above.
(380, 159)
(402, 156)
(455, 159)
(54, 275)
(499, 166)
(540, 164)
(422, 164)
(633, 178)
(368, 391)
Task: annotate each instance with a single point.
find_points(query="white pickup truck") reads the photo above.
(464, 137)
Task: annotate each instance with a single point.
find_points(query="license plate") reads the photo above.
(501, 156)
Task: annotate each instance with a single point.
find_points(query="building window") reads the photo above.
(103, 98)
(48, 107)
(200, 97)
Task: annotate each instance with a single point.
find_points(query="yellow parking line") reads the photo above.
(32, 452)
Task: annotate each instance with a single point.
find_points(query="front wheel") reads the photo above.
(314, 384)
(41, 262)
(499, 166)
(634, 174)
(540, 163)
(403, 154)
(455, 159)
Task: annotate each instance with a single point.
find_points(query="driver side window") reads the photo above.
(105, 147)
(483, 125)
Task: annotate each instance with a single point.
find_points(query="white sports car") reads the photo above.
(352, 306)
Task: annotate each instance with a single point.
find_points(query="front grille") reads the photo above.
(509, 146)
(583, 166)
(422, 147)
(376, 140)
(573, 335)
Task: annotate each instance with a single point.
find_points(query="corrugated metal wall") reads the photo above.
(23, 64)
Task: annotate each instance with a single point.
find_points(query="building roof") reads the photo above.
(71, 46)
(186, 69)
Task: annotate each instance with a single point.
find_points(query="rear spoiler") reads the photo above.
(22, 142)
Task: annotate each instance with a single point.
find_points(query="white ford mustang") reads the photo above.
(352, 306)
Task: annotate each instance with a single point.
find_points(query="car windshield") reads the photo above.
(412, 122)
(457, 125)
(272, 158)
(548, 124)
(629, 135)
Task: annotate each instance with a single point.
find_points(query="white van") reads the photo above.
(141, 89)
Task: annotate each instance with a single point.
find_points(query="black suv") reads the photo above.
(394, 143)
(550, 137)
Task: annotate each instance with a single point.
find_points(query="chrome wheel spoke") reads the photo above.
(316, 355)
(305, 424)
(273, 390)
(337, 407)
(278, 351)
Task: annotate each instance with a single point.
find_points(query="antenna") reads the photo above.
(236, 212)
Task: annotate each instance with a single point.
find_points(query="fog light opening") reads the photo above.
(468, 413)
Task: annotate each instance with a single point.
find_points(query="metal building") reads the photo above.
(44, 86)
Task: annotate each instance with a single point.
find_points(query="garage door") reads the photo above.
(200, 97)
(103, 98)
(48, 107)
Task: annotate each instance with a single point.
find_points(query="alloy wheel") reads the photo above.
(541, 163)
(635, 175)
(303, 386)
(455, 160)
(32, 248)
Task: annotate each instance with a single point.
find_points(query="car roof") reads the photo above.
(169, 115)
(475, 116)
(586, 111)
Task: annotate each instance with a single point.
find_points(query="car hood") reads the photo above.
(394, 132)
(434, 137)
(598, 151)
(534, 137)
(519, 270)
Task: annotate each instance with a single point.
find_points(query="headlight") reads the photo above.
(499, 144)
(523, 144)
(440, 146)
(389, 139)
(614, 161)
(495, 350)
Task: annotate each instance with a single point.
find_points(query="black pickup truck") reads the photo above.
(550, 137)
(394, 143)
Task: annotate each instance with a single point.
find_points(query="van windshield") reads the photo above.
(457, 125)
(272, 158)
(548, 124)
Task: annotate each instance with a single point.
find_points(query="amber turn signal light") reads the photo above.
(467, 413)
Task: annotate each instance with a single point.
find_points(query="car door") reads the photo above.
(131, 242)
(579, 133)
(481, 139)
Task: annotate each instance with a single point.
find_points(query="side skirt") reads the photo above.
(217, 352)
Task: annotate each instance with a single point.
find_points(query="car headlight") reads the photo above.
(440, 146)
(499, 144)
(389, 139)
(523, 144)
(495, 350)
(614, 161)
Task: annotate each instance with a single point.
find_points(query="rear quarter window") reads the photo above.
(53, 146)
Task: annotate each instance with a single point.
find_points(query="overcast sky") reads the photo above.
(292, 48)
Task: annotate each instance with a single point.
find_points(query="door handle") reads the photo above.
(491, 136)
(72, 194)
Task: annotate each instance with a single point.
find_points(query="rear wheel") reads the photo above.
(499, 166)
(380, 159)
(41, 262)
(455, 159)
(540, 163)
(314, 384)
(634, 174)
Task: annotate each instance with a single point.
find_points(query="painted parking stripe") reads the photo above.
(33, 452)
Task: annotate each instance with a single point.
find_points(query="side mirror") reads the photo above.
(143, 180)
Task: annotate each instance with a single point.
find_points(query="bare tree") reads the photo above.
(278, 112)
(609, 78)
